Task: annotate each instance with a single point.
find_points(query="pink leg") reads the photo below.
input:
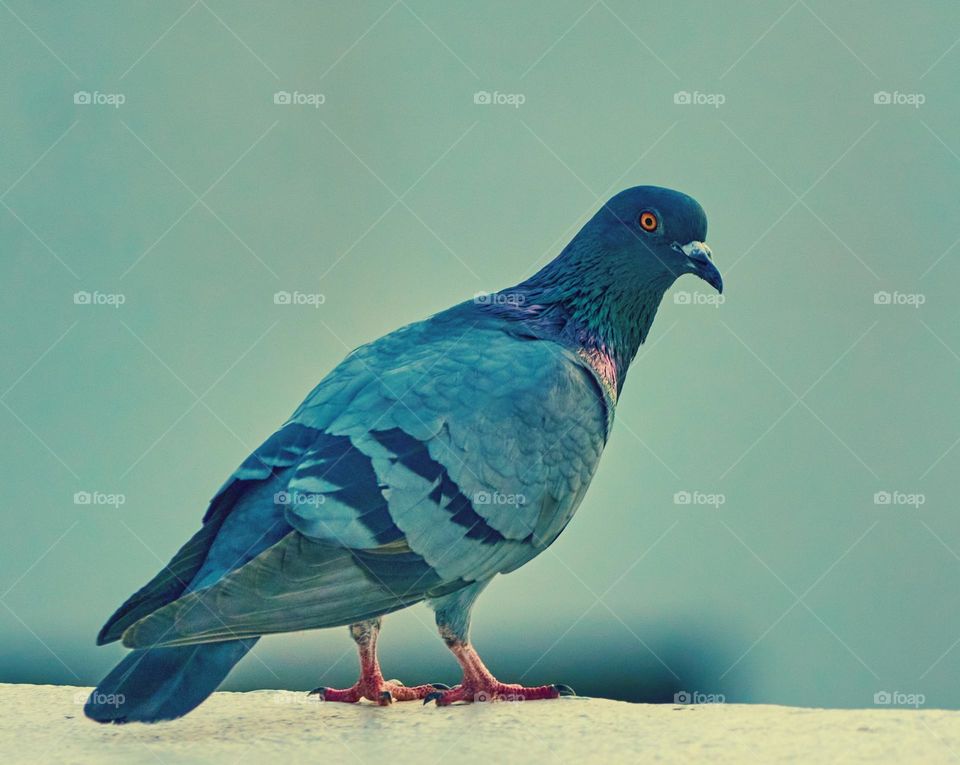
(479, 684)
(371, 684)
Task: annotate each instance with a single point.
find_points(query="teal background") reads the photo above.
(797, 399)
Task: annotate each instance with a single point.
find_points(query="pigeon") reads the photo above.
(426, 463)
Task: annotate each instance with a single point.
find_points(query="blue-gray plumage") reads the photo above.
(426, 463)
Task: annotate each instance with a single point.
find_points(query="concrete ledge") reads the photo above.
(44, 723)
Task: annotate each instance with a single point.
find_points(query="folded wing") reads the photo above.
(426, 461)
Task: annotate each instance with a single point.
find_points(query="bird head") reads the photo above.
(654, 235)
(601, 293)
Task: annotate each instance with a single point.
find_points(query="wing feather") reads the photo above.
(426, 461)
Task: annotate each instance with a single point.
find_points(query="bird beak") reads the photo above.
(700, 262)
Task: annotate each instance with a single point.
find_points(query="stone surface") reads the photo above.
(46, 724)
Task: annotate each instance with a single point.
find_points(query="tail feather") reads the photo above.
(163, 683)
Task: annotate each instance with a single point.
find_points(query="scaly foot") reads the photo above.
(383, 692)
(493, 690)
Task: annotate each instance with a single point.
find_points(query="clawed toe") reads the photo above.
(382, 693)
(495, 691)
(345, 695)
(385, 693)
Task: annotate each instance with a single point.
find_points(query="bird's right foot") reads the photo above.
(494, 690)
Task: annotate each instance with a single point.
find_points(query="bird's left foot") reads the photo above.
(496, 691)
(382, 692)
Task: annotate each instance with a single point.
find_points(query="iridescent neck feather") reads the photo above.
(598, 304)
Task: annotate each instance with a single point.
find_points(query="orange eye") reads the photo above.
(648, 221)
